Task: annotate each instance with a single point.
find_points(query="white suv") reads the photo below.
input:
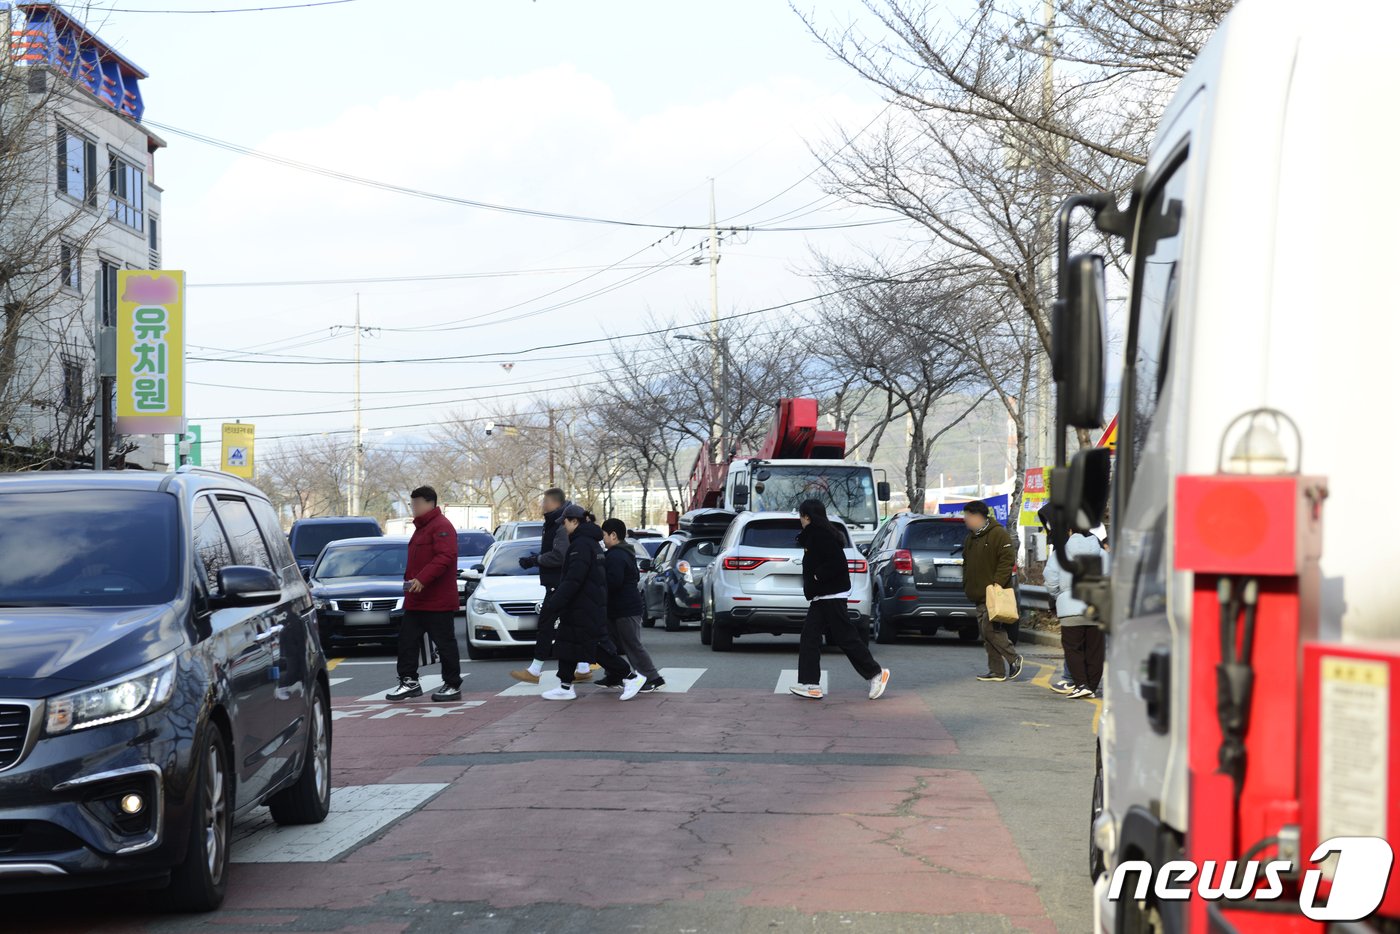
(755, 582)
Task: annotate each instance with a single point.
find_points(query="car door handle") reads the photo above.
(269, 634)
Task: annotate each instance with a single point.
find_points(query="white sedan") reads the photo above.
(503, 611)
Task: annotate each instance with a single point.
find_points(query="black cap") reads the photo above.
(574, 511)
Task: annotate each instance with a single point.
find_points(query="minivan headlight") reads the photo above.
(131, 695)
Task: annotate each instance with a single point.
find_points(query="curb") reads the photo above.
(1040, 637)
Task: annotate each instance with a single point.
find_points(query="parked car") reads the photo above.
(672, 586)
(309, 536)
(755, 582)
(917, 579)
(471, 550)
(160, 676)
(513, 531)
(357, 584)
(503, 613)
(646, 548)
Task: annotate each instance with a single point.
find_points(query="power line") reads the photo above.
(474, 203)
(248, 9)
(427, 277)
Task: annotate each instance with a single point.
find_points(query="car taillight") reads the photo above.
(857, 565)
(903, 562)
(746, 564)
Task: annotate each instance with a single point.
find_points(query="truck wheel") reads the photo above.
(885, 632)
(673, 622)
(199, 881)
(308, 800)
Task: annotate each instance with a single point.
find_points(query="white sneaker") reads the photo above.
(560, 693)
(877, 683)
(632, 685)
(810, 691)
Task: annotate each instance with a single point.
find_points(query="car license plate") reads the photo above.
(949, 574)
(366, 619)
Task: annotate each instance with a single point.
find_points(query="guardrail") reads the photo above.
(1034, 597)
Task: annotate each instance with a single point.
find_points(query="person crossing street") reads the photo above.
(430, 600)
(554, 545)
(989, 557)
(625, 606)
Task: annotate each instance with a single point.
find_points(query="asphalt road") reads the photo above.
(948, 805)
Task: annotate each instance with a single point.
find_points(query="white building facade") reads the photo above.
(93, 201)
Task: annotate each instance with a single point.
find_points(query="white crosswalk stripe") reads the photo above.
(789, 677)
(430, 683)
(335, 681)
(678, 681)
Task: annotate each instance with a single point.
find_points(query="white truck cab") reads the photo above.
(847, 488)
(1265, 236)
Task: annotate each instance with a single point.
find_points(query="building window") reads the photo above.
(77, 166)
(153, 228)
(70, 267)
(107, 294)
(72, 383)
(128, 186)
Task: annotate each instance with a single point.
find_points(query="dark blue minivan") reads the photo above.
(160, 673)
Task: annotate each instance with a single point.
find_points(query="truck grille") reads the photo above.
(518, 609)
(14, 728)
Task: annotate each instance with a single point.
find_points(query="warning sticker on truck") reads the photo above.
(1354, 755)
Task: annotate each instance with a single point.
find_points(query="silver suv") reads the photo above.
(755, 582)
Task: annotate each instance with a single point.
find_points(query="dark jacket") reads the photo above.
(432, 561)
(554, 545)
(989, 557)
(825, 567)
(624, 596)
(581, 599)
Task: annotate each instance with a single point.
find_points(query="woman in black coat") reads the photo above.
(826, 583)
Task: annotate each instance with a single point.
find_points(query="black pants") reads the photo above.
(442, 629)
(828, 618)
(544, 638)
(1084, 651)
(613, 664)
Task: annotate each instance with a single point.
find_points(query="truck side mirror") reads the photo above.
(741, 496)
(1077, 352)
(1078, 497)
(882, 491)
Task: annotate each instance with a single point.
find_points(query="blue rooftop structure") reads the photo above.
(45, 33)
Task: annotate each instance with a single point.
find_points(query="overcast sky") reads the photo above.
(607, 108)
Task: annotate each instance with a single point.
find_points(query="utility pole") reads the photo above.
(718, 433)
(551, 447)
(357, 463)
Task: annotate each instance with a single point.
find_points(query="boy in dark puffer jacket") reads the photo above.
(625, 605)
(581, 602)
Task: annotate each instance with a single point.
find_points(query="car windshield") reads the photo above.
(473, 543)
(849, 492)
(308, 540)
(934, 535)
(88, 548)
(346, 562)
(505, 560)
(779, 533)
(652, 545)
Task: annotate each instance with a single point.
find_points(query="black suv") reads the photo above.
(159, 675)
(672, 582)
(309, 536)
(916, 579)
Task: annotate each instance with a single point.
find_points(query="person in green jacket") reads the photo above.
(989, 557)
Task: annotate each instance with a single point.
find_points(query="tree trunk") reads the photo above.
(916, 464)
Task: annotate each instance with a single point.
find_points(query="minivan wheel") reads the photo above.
(199, 881)
(308, 799)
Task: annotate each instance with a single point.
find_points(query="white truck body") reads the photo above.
(1278, 291)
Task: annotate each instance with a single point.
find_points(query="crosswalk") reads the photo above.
(678, 681)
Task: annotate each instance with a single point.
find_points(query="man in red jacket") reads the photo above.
(430, 599)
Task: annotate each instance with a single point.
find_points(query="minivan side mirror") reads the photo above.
(245, 585)
(741, 495)
(646, 565)
(864, 548)
(1077, 344)
(882, 491)
(706, 548)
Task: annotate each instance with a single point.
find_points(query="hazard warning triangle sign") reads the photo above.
(1109, 438)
